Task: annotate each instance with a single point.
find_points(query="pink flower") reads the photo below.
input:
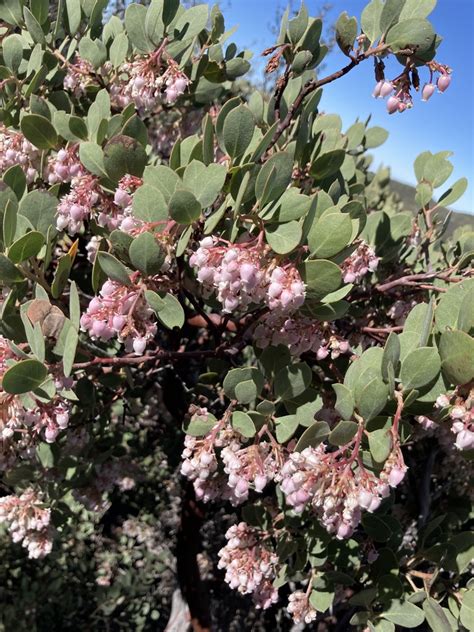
(393, 104)
(428, 91)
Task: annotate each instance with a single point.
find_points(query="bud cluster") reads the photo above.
(242, 274)
(123, 198)
(398, 91)
(300, 608)
(16, 150)
(327, 482)
(86, 199)
(28, 522)
(300, 334)
(361, 261)
(143, 82)
(459, 407)
(79, 76)
(250, 564)
(65, 165)
(122, 312)
(243, 468)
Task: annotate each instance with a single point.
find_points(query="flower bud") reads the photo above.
(386, 88)
(393, 104)
(396, 476)
(444, 82)
(378, 87)
(428, 90)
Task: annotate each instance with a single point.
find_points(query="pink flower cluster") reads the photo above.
(250, 564)
(16, 150)
(300, 334)
(327, 482)
(250, 467)
(86, 199)
(123, 198)
(361, 261)
(398, 93)
(79, 76)
(143, 82)
(460, 405)
(300, 608)
(122, 312)
(28, 522)
(65, 165)
(242, 274)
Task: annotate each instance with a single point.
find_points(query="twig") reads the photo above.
(313, 85)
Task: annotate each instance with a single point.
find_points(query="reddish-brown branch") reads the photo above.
(313, 85)
(131, 360)
(417, 280)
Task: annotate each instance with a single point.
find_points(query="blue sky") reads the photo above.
(446, 122)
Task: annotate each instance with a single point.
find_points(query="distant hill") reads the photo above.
(407, 195)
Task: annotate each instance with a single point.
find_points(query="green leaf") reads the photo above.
(417, 9)
(424, 194)
(154, 26)
(24, 376)
(313, 436)
(238, 130)
(236, 67)
(9, 222)
(246, 392)
(390, 13)
(285, 427)
(205, 182)
(454, 192)
(284, 238)
(33, 26)
(372, 398)
(162, 178)
(419, 368)
(149, 204)
(375, 136)
(376, 528)
(345, 400)
(370, 20)
(380, 445)
(135, 18)
(274, 177)
(61, 275)
(391, 354)
(236, 376)
(73, 12)
(437, 168)
(321, 277)
(74, 306)
(346, 32)
(199, 425)
(456, 349)
(343, 433)
(435, 616)
(404, 614)
(146, 254)
(39, 208)
(45, 455)
(124, 155)
(8, 272)
(12, 50)
(92, 157)
(168, 309)
(15, 178)
(192, 22)
(414, 33)
(467, 610)
(184, 208)
(328, 164)
(39, 131)
(26, 246)
(292, 380)
(330, 234)
(70, 346)
(113, 268)
(243, 424)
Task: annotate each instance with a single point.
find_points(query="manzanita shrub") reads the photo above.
(192, 266)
